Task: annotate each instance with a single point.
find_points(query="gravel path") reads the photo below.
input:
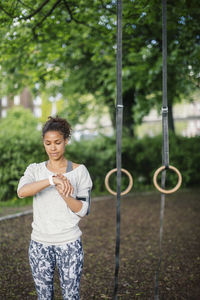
(180, 270)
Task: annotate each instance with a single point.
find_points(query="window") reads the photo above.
(17, 100)
(37, 112)
(3, 113)
(4, 101)
(37, 101)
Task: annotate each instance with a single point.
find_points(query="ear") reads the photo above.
(66, 142)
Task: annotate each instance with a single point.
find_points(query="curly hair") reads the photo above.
(57, 124)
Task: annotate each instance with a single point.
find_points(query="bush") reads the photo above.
(141, 157)
(99, 157)
(21, 144)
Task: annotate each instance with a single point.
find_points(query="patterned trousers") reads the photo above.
(69, 260)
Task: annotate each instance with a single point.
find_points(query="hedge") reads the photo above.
(21, 144)
(141, 157)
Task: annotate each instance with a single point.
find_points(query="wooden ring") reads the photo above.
(163, 190)
(107, 182)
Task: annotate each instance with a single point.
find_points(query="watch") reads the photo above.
(51, 180)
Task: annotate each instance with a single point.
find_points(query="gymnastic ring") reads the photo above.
(129, 186)
(163, 190)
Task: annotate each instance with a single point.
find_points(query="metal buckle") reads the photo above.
(164, 110)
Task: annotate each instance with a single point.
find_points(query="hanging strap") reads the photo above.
(165, 142)
(119, 122)
(165, 155)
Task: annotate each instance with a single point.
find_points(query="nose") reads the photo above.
(53, 147)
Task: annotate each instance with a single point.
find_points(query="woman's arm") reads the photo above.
(74, 204)
(30, 189)
(81, 208)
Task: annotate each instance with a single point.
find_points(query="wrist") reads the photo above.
(51, 180)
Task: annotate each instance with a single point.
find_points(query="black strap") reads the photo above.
(165, 156)
(165, 142)
(69, 166)
(88, 199)
(119, 121)
(81, 198)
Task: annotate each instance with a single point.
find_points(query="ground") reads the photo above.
(139, 250)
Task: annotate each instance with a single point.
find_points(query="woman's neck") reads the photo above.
(57, 164)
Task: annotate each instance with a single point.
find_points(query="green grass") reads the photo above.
(16, 202)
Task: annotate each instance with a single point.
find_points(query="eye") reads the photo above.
(58, 143)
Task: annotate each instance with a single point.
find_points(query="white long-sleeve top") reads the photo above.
(54, 223)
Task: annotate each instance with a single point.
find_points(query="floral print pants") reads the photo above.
(69, 260)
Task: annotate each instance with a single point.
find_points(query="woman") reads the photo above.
(61, 191)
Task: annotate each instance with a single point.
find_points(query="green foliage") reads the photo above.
(70, 47)
(98, 155)
(20, 145)
(141, 157)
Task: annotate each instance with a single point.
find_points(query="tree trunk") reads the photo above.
(171, 118)
(128, 121)
(112, 112)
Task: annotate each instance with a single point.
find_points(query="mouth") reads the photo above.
(54, 154)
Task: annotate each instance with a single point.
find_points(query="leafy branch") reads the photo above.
(24, 17)
(47, 15)
(35, 11)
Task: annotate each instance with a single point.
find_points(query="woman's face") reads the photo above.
(54, 144)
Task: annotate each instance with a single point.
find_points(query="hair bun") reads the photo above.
(57, 124)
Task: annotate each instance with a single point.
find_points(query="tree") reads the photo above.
(21, 144)
(70, 47)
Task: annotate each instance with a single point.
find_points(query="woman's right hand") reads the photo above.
(62, 184)
(59, 182)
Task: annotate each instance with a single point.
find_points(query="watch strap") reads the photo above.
(51, 180)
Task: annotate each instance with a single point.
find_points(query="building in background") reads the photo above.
(186, 117)
(25, 99)
(186, 120)
(93, 127)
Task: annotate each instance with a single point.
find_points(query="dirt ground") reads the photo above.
(139, 250)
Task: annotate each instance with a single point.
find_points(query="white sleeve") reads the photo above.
(84, 186)
(28, 176)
